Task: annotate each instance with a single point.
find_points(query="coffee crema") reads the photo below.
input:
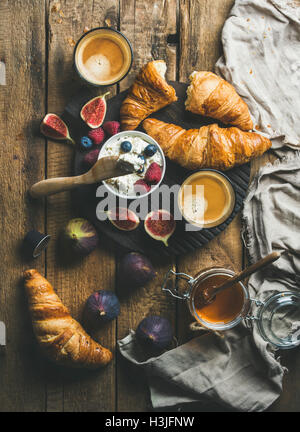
(206, 199)
(103, 56)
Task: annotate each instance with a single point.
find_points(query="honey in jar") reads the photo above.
(225, 306)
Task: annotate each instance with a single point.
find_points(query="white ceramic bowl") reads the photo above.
(146, 138)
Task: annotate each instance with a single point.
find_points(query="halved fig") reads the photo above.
(123, 218)
(93, 112)
(52, 126)
(160, 225)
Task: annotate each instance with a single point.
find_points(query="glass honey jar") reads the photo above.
(277, 319)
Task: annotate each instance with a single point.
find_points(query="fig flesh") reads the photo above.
(93, 112)
(160, 225)
(52, 126)
(123, 218)
(136, 270)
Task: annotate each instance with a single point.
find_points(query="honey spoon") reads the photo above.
(208, 295)
(105, 168)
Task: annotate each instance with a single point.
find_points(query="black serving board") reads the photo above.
(85, 199)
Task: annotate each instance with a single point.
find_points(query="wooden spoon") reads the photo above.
(208, 295)
(105, 168)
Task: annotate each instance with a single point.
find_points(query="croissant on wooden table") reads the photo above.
(212, 96)
(60, 337)
(207, 147)
(149, 93)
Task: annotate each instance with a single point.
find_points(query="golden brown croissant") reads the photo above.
(149, 93)
(61, 337)
(207, 147)
(210, 95)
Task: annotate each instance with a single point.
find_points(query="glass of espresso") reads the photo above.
(103, 56)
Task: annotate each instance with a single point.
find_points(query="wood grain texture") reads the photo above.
(201, 24)
(74, 282)
(147, 25)
(22, 99)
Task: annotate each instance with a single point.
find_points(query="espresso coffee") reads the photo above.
(206, 199)
(103, 56)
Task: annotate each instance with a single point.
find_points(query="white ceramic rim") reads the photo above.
(150, 140)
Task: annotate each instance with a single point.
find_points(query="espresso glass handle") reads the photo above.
(175, 292)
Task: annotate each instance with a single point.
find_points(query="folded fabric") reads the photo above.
(225, 370)
(262, 60)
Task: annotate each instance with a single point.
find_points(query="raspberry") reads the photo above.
(91, 157)
(97, 135)
(141, 186)
(111, 127)
(153, 174)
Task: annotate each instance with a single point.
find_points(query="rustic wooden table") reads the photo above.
(36, 45)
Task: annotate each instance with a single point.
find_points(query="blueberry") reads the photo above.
(126, 146)
(150, 150)
(86, 142)
(143, 160)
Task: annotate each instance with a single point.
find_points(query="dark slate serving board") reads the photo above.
(85, 197)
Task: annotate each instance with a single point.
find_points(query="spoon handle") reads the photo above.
(259, 265)
(54, 185)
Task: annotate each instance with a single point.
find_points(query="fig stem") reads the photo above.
(71, 141)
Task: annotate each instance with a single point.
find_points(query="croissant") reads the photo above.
(210, 95)
(207, 147)
(61, 337)
(149, 93)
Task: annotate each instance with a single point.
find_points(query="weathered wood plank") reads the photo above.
(77, 392)
(200, 29)
(22, 159)
(147, 25)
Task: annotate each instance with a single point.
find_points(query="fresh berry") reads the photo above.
(150, 150)
(140, 186)
(111, 127)
(86, 142)
(126, 146)
(91, 157)
(143, 160)
(153, 174)
(97, 135)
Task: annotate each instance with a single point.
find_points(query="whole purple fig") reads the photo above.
(155, 332)
(101, 306)
(81, 236)
(135, 270)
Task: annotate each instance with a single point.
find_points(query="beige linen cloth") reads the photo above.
(240, 370)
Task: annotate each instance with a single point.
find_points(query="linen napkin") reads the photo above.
(239, 369)
(261, 45)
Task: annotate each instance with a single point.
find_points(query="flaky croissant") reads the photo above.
(61, 337)
(149, 93)
(207, 147)
(212, 96)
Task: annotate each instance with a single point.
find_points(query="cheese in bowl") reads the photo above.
(140, 150)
